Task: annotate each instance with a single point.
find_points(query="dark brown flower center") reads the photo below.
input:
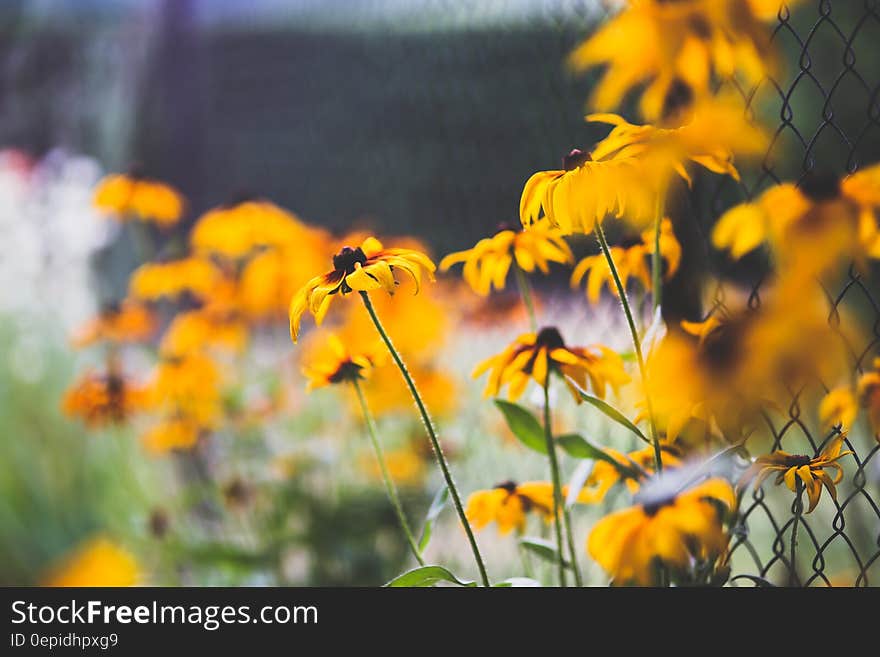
(347, 371)
(678, 97)
(797, 460)
(550, 338)
(820, 186)
(509, 486)
(575, 158)
(347, 258)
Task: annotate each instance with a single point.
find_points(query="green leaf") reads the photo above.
(427, 576)
(524, 425)
(610, 412)
(543, 548)
(517, 582)
(434, 510)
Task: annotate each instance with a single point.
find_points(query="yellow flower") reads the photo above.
(155, 280)
(125, 322)
(508, 503)
(200, 329)
(170, 434)
(98, 562)
(605, 475)
(235, 230)
(100, 399)
(868, 393)
(367, 267)
(537, 355)
(631, 262)
(405, 465)
(677, 51)
(332, 361)
(811, 472)
(663, 529)
(387, 394)
(189, 387)
(489, 261)
(135, 196)
(811, 226)
(744, 361)
(628, 173)
(839, 406)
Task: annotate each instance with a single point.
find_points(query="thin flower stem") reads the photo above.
(656, 259)
(390, 488)
(557, 487)
(525, 290)
(798, 510)
(432, 434)
(637, 343)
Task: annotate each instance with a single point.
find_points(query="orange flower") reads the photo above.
(135, 196)
(101, 399)
(126, 322)
(98, 562)
(155, 280)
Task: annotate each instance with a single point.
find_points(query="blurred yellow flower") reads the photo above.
(537, 355)
(127, 196)
(811, 471)
(367, 267)
(627, 174)
(189, 386)
(868, 393)
(809, 227)
(631, 262)
(155, 280)
(329, 361)
(678, 51)
(508, 503)
(387, 393)
(839, 406)
(744, 361)
(488, 262)
(170, 434)
(195, 330)
(236, 230)
(98, 562)
(101, 399)
(126, 322)
(405, 466)
(605, 475)
(664, 528)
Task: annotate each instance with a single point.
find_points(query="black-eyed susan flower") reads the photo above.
(239, 228)
(128, 321)
(200, 329)
(628, 173)
(632, 262)
(676, 51)
(157, 280)
(488, 262)
(809, 226)
(605, 475)
(839, 407)
(104, 398)
(367, 267)
(132, 195)
(97, 562)
(802, 472)
(508, 504)
(663, 530)
(537, 355)
(332, 360)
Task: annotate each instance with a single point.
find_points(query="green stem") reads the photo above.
(656, 260)
(432, 434)
(390, 488)
(557, 487)
(525, 290)
(637, 343)
(798, 510)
